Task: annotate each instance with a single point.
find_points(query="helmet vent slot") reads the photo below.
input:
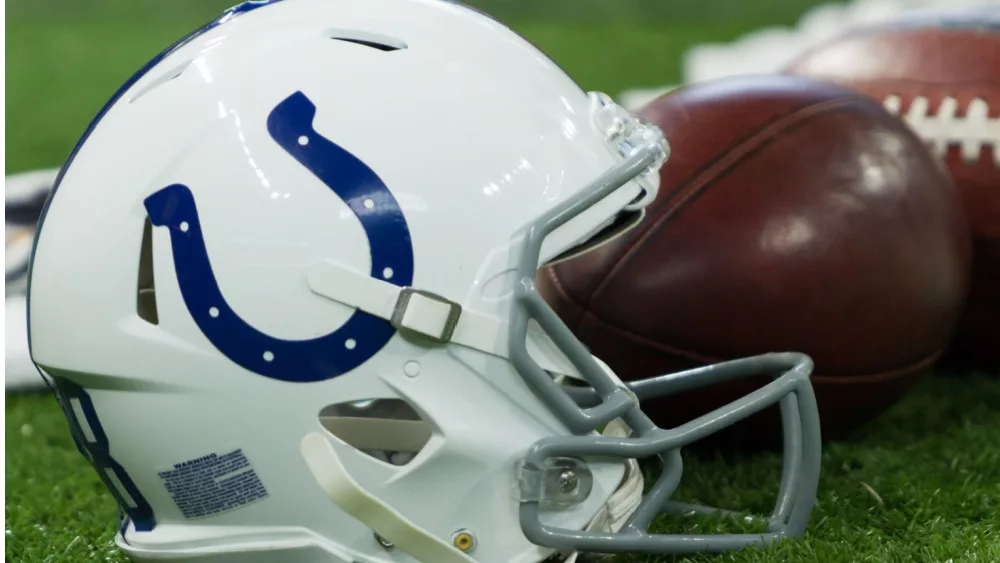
(367, 39)
(146, 285)
(388, 430)
(161, 80)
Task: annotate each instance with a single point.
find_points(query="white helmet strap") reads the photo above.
(427, 314)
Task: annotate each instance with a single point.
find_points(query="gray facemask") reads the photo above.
(553, 469)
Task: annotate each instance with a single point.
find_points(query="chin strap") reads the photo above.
(625, 500)
(331, 475)
(323, 461)
(628, 496)
(432, 316)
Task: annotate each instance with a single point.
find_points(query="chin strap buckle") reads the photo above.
(426, 313)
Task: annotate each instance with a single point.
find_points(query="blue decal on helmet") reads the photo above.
(316, 359)
(226, 16)
(139, 511)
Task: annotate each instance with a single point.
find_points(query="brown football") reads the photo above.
(793, 215)
(941, 72)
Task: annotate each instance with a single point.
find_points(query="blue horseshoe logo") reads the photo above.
(290, 124)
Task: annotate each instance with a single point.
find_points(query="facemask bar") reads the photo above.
(585, 410)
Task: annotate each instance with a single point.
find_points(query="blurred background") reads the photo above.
(922, 483)
(66, 57)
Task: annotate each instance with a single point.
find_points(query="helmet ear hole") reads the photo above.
(389, 430)
(146, 283)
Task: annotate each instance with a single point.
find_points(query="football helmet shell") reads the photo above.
(283, 290)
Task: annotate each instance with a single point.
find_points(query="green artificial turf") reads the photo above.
(922, 483)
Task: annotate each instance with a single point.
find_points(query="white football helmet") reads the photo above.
(283, 290)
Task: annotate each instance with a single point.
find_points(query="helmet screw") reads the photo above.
(384, 542)
(464, 540)
(568, 482)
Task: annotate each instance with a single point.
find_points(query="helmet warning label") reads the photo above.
(213, 484)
